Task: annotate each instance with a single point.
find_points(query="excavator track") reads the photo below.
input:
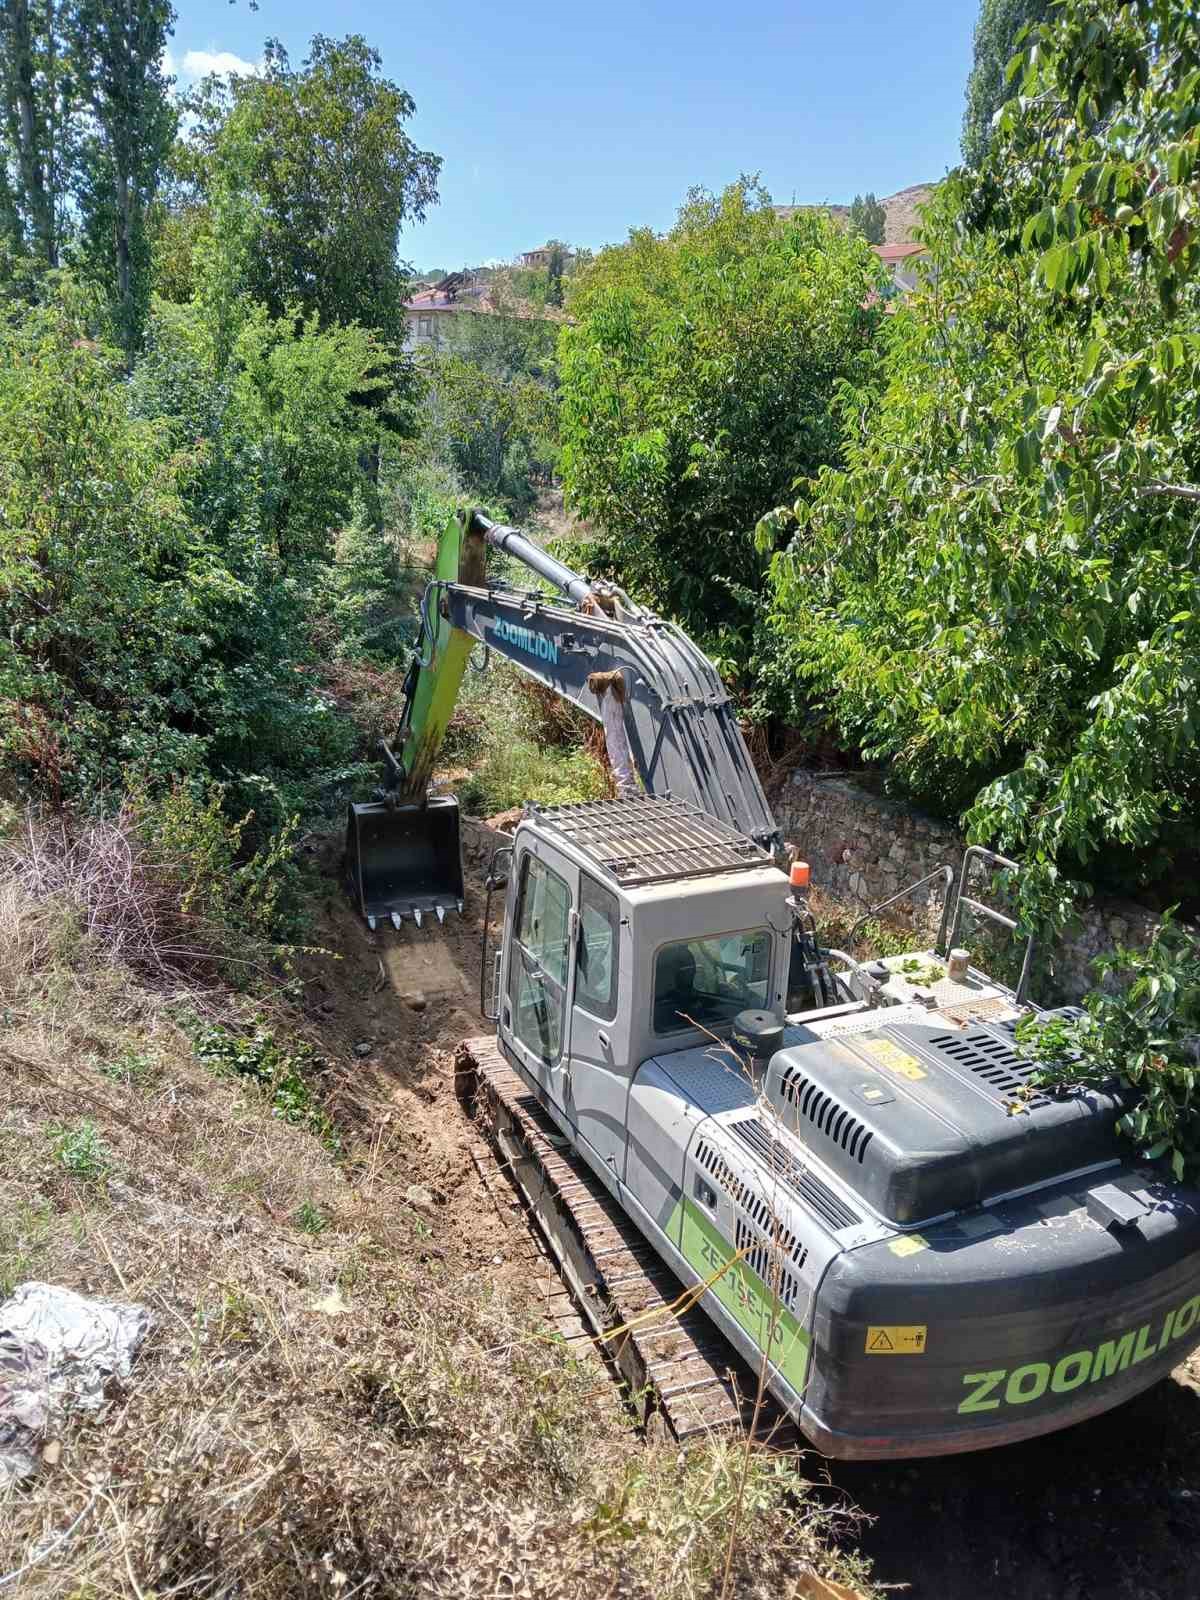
(679, 1373)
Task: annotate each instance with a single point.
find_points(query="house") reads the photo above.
(902, 262)
(430, 314)
(540, 258)
(425, 310)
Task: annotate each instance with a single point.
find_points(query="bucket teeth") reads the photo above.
(441, 913)
(417, 915)
(371, 924)
(397, 921)
(460, 908)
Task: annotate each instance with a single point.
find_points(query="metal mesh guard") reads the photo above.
(654, 840)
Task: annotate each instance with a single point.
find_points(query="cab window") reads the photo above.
(596, 953)
(706, 982)
(540, 957)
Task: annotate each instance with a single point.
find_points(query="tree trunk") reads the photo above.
(32, 161)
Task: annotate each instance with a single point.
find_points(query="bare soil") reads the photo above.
(1109, 1510)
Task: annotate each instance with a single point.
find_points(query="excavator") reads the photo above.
(841, 1164)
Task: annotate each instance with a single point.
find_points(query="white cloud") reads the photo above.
(199, 63)
(169, 65)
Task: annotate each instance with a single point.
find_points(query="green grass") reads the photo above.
(310, 1218)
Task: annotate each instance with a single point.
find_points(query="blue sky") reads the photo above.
(581, 123)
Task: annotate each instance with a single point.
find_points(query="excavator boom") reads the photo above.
(667, 711)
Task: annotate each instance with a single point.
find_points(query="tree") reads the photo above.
(119, 48)
(491, 402)
(313, 176)
(996, 593)
(868, 218)
(997, 33)
(698, 379)
(36, 85)
(554, 274)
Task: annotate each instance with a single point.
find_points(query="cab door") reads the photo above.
(540, 966)
(598, 1081)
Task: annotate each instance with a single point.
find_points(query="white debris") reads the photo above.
(58, 1351)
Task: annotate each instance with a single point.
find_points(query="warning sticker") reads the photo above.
(891, 1056)
(893, 1341)
(908, 1245)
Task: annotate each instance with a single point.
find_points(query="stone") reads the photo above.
(363, 1049)
(418, 1195)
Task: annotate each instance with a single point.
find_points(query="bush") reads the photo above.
(161, 887)
(1141, 1030)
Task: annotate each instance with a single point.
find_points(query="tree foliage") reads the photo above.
(997, 32)
(311, 176)
(868, 218)
(157, 569)
(88, 122)
(998, 591)
(698, 380)
(1141, 1031)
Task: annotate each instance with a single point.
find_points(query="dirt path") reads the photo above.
(1109, 1510)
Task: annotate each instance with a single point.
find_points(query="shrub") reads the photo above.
(1142, 1030)
(280, 1071)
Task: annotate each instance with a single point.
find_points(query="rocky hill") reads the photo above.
(902, 210)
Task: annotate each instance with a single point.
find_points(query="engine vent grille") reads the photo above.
(766, 1235)
(811, 1102)
(804, 1184)
(991, 1060)
(765, 1257)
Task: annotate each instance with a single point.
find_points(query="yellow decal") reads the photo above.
(891, 1056)
(892, 1341)
(909, 1245)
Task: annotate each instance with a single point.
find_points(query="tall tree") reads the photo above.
(36, 91)
(868, 218)
(319, 177)
(554, 274)
(996, 34)
(119, 48)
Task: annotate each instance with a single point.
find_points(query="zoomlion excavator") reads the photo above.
(844, 1161)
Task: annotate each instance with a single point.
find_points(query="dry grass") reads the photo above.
(361, 1410)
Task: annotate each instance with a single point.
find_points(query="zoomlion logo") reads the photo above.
(1023, 1384)
(534, 644)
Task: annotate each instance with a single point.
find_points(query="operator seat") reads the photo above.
(674, 988)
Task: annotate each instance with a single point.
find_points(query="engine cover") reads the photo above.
(925, 1119)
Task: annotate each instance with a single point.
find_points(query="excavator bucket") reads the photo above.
(405, 860)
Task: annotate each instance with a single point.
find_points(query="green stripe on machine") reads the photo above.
(755, 1307)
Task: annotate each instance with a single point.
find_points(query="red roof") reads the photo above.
(897, 252)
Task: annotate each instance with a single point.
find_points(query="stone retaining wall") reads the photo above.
(865, 847)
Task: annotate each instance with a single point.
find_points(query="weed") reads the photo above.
(310, 1218)
(259, 1056)
(79, 1149)
(131, 1067)
(25, 1233)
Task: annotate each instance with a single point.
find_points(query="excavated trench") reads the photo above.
(1108, 1510)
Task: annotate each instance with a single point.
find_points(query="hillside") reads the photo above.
(902, 210)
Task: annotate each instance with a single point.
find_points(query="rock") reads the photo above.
(418, 1195)
(327, 1007)
(415, 1001)
(363, 1049)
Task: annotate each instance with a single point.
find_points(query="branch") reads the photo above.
(1181, 491)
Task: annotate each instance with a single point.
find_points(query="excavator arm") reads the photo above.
(588, 643)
